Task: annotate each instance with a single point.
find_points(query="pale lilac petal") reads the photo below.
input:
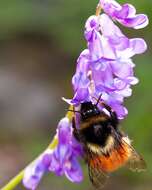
(34, 172)
(112, 97)
(97, 45)
(125, 14)
(120, 110)
(131, 10)
(126, 92)
(120, 43)
(64, 131)
(138, 45)
(83, 62)
(125, 11)
(47, 159)
(80, 84)
(132, 80)
(119, 84)
(62, 152)
(92, 23)
(103, 74)
(32, 177)
(74, 173)
(91, 26)
(136, 22)
(110, 6)
(115, 37)
(55, 166)
(108, 28)
(80, 80)
(81, 95)
(108, 51)
(122, 69)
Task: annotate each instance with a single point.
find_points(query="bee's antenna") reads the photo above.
(98, 100)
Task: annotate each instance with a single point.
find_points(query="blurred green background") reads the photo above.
(40, 41)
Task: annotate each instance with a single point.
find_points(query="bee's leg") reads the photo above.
(76, 132)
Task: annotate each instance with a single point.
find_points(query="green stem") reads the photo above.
(17, 179)
(14, 182)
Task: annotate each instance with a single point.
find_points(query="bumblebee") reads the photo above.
(106, 148)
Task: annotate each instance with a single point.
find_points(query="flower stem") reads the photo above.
(98, 10)
(14, 182)
(17, 179)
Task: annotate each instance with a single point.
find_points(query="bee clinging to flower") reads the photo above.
(106, 148)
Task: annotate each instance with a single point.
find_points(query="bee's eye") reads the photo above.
(86, 114)
(89, 112)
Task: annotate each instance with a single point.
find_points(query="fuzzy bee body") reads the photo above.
(106, 148)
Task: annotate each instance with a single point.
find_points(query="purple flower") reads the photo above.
(80, 80)
(98, 47)
(108, 59)
(34, 172)
(107, 42)
(62, 160)
(125, 14)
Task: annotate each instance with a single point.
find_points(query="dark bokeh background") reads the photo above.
(40, 41)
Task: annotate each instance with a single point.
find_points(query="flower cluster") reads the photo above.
(61, 159)
(104, 68)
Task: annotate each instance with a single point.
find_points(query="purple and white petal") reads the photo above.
(124, 14)
(73, 171)
(34, 172)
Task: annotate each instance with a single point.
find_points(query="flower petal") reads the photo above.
(125, 14)
(138, 45)
(137, 22)
(34, 173)
(63, 151)
(120, 110)
(74, 173)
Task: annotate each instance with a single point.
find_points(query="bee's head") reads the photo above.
(89, 110)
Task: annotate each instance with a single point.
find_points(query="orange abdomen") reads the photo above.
(117, 158)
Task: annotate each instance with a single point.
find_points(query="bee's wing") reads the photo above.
(136, 162)
(97, 177)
